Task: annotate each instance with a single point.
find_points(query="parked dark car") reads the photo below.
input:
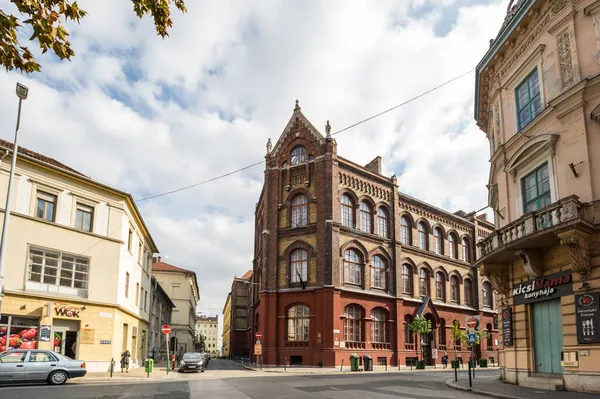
(191, 361)
(34, 365)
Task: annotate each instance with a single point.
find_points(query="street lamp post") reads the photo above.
(21, 91)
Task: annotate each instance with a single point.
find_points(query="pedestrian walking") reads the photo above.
(125, 361)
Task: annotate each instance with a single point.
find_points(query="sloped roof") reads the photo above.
(247, 275)
(161, 266)
(39, 157)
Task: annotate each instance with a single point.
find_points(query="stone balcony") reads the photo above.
(535, 230)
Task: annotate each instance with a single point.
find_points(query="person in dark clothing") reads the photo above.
(125, 361)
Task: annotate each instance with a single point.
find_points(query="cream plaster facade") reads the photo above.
(52, 262)
(538, 101)
(208, 327)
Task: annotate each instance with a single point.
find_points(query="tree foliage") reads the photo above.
(420, 325)
(45, 18)
(456, 334)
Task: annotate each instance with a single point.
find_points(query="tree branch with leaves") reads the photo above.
(422, 326)
(45, 18)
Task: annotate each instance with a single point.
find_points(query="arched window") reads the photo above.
(378, 327)
(298, 155)
(347, 211)
(488, 300)
(353, 323)
(465, 249)
(299, 211)
(298, 323)
(352, 267)
(378, 272)
(439, 242)
(382, 223)
(452, 247)
(424, 281)
(442, 333)
(299, 266)
(408, 335)
(455, 289)
(468, 292)
(407, 279)
(365, 217)
(422, 236)
(405, 230)
(440, 286)
(490, 339)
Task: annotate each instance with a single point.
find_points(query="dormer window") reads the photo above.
(298, 155)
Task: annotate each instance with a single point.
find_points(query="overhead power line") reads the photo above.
(336, 132)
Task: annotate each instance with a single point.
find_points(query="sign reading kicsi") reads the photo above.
(543, 288)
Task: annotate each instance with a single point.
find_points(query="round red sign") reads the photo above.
(166, 329)
(258, 335)
(472, 322)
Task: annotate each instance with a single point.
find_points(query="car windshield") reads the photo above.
(192, 356)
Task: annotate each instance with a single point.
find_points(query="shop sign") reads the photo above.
(86, 336)
(45, 332)
(543, 288)
(507, 331)
(587, 310)
(105, 315)
(65, 310)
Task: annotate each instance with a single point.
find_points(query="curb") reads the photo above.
(392, 370)
(451, 384)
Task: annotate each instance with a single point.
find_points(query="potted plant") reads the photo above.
(320, 363)
(422, 326)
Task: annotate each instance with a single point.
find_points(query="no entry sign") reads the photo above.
(472, 322)
(166, 329)
(258, 335)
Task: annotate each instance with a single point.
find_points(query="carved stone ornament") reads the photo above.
(499, 278)
(269, 146)
(565, 59)
(532, 262)
(580, 256)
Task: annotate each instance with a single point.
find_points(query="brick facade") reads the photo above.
(330, 251)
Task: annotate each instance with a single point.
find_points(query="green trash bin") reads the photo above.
(354, 359)
(148, 365)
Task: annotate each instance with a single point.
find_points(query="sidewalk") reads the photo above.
(134, 374)
(498, 389)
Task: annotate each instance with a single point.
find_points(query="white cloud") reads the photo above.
(149, 115)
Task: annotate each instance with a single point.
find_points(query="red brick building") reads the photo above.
(240, 338)
(343, 261)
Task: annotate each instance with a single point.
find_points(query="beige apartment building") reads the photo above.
(226, 334)
(538, 101)
(208, 328)
(181, 286)
(78, 264)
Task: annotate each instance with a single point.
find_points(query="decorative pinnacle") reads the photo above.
(269, 146)
(328, 130)
(297, 107)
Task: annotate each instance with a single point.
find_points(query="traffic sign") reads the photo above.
(258, 350)
(472, 322)
(472, 338)
(166, 329)
(258, 335)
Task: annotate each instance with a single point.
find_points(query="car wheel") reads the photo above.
(58, 378)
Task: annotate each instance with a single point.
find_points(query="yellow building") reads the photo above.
(537, 100)
(208, 328)
(78, 264)
(226, 345)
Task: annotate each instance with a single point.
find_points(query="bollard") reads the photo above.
(285, 364)
(342, 366)
(386, 362)
(470, 382)
(455, 372)
(112, 366)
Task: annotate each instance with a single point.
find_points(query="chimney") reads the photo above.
(375, 165)
(483, 217)
(156, 260)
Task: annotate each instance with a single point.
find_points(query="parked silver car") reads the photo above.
(35, 365)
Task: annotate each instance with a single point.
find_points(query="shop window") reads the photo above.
(18, 333)
(57, 272)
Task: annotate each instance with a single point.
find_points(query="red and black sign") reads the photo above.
(587, 310)
(64, 310)
(543, 288)
(507, 330)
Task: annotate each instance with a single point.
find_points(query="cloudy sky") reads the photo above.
(148, 115)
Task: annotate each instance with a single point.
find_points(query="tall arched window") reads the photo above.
(455, 288)
(442, 334)
(439, 242)
(352, 267)
(378, 327)
(353, 323)
(347, 211)
(382, 223)
(299, 266)
(299, 211)
(424, 281)
(488, 300)
(405, 230)
(407, 279)
(409, 337)
(452, 246)
(490, 339)
(468, 292)
(366, 215)
(440, 286)
(298, 155)
(465, 249)
(298, 323)
(422, 236)
(378, 272)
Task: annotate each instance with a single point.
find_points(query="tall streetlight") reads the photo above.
(21, 91)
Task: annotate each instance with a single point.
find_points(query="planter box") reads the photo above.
(483, 363)
(420, 364)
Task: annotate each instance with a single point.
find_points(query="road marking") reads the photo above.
(428, 386)
(334, 388)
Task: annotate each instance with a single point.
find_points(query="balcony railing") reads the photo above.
(558, 214)
(355, 345)
(296, 344)
(381, 345)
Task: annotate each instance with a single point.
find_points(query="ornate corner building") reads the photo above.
(538, 101)
(344, 262)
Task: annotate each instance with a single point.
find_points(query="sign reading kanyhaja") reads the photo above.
(543, 288)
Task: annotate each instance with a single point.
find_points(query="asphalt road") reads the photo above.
(217, 383)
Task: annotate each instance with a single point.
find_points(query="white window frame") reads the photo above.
(47, 190)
